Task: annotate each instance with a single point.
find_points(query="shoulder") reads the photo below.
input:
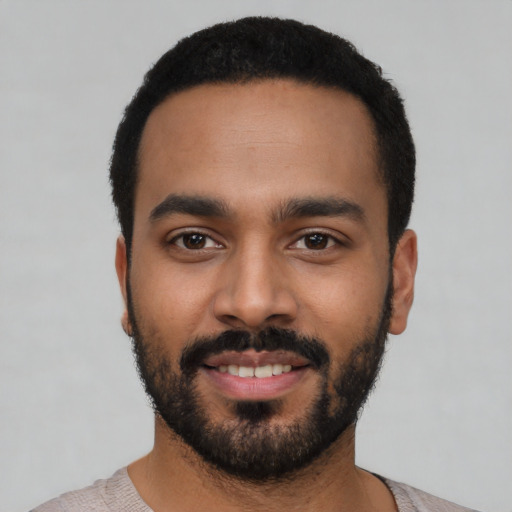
(410, 499)
(109, 495)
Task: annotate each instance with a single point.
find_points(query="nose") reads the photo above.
(254, 292)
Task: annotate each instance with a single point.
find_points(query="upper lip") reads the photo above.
(254, 359)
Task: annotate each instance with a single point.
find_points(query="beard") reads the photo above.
(250, 446)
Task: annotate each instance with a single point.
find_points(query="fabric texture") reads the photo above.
(118, 494)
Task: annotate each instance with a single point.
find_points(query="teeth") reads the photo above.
(246, 371)
(259, 372)
(263, 371)
(277, 369)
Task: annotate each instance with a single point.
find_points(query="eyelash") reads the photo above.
(181, 236)
(330, 241)
(328, 238)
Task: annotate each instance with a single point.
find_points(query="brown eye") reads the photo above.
(316, 241)
(194, 241)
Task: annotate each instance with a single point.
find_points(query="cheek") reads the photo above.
(344, 304)
(171, 301)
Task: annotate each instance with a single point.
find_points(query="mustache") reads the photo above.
(270, 339)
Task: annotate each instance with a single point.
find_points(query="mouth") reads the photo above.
(252, 375)
(260, 372)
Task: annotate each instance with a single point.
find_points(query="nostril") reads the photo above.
(248, 302)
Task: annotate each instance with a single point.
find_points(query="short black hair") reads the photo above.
(259, 48)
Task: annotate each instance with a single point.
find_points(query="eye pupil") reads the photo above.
(194, 241)
(316, 241)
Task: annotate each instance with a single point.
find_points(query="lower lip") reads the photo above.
(254, 388)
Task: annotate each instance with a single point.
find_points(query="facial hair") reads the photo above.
(251, 447)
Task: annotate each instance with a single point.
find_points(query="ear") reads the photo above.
(405, 262)
(122, 276)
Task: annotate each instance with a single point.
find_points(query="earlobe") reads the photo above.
(405, 262)
(126, 324)
(122, 276)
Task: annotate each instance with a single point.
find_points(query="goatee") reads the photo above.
(250, 446)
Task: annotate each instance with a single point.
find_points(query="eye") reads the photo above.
(194, 241)
(315, 242)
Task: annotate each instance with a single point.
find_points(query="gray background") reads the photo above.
(72, 409)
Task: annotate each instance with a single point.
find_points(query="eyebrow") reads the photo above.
(189, 205)
(294, 208)
(319, 207)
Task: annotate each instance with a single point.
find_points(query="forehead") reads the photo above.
(257, 141)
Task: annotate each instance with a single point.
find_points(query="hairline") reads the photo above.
(248, 80)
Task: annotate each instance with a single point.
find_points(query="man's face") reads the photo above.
(259, 284)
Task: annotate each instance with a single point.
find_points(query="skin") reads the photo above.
(255, 147)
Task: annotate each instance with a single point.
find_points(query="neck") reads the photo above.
(173, 477)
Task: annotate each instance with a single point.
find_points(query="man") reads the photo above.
(263, 177)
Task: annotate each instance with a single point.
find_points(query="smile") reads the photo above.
(252, 375)
(259, 372)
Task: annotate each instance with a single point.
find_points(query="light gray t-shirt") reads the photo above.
(118, 494)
